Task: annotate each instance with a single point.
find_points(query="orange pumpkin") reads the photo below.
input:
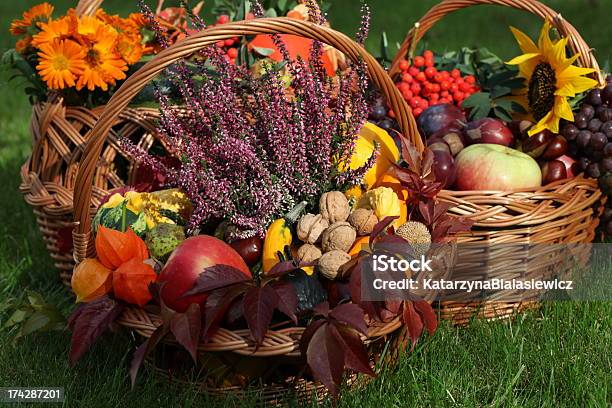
(296, 46)
(114, 248)
(91, 280)
(131, 282)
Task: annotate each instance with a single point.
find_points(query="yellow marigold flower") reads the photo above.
(35, 15)
(55, 30)
(550, 78)
(61, 62)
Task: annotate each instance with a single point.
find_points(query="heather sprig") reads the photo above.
(250, 146)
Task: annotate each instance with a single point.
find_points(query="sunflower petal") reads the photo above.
(574, 71)
(522, 58)
(563, 109)
(525, 43)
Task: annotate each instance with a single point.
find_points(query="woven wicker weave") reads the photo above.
(59, 135)
(281, 344)
(562, 212)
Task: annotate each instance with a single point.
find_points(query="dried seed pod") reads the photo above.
(364, 220)
(308, 253)
(339, 236)
(334, 206)
(331, 262)
(417, 235)
(310, 227)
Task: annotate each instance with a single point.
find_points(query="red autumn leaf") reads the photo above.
(324, 359)
(355, 353)
(413, 322)
(186, 329)
(216, 277)
(287, 299)
(308, 333)
(282, 268)
(217, 304)
(89, 322)
(428, 316)
(351, 315)
(64, 240)
(381, 227)
(259, 305)
(144, 350)
(322, 309)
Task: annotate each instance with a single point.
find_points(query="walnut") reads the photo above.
(334, 206)
(331, 262)
(310, 227)
(363, 220)
(308, 253)
(339, 236)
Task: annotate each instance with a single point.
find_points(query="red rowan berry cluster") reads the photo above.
(422, 85)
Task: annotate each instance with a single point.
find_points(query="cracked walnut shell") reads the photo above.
(310, 227)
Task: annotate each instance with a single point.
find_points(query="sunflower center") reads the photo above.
(60, 63)
(542, 87)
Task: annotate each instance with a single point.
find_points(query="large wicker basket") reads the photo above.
(232, 348)
(59, 135)
(562, 212)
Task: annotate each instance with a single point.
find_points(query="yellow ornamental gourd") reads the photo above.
(371, 136)
(279, 236)
(384, 202)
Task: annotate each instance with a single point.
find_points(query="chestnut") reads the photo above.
(537, 144)
(250, 249)
(553, 170)
(557, 147)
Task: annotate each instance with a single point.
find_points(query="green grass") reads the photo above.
(559, 356)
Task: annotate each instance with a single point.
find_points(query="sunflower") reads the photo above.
(31, 18)
(550, 77)
(61, 62)
(103, 65)
(55, 30)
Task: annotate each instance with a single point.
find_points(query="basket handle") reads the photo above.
(88, 7)
(439, 11)
(137, 81)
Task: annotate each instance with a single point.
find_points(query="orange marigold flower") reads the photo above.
(139, 20)
(31, 18)
(88, 28)
(22, 45)
(103, 65)
(61, 62)
(55, 30)
(130, 49)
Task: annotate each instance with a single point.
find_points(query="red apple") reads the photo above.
(570, 165)
(496, 167)
(489, 131)
(188, 261)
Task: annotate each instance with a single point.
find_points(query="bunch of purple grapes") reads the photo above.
(590, 140)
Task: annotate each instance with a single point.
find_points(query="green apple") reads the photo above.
(497, 168)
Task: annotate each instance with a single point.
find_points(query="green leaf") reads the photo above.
(480, 105)
(265, 52)
(502, 114)
(270, 13)
(498, 91)
(17, 317)
(282, 4)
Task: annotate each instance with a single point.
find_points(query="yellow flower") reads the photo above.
(61, 62)
(103, 65)
(31, 18)
(550, 78)
(54, 30)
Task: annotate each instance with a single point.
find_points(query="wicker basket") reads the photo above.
(281, 345)
(562, 212)
(59, 135)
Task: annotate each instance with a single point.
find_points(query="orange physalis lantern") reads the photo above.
(91, 280)
(131, 282)
(114, 248)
